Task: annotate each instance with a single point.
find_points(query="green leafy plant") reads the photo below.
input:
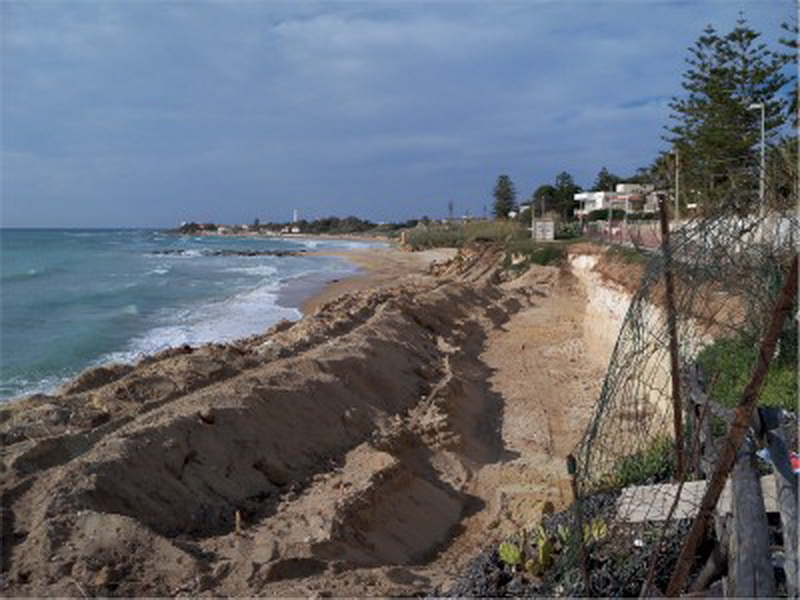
(510, 554)
(595, 530)
(544, 547)
(531, 552)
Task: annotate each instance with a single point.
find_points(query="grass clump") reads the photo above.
(652, 464)
(729, 363)
(495, 231)
(424, 239)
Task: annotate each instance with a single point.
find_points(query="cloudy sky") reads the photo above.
(148, 113)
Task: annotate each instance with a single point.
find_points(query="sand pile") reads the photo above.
(341, 443)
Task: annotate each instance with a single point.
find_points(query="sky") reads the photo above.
(149, 113)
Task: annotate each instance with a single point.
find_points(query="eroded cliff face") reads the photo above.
(606, 306)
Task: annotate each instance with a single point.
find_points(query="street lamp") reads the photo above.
(761, 179)
(677, 183)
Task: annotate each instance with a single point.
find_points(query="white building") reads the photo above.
(630, 197)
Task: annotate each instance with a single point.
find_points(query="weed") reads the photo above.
(653, 464)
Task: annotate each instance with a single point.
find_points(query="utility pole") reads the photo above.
(533, 218)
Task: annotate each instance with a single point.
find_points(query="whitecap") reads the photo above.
(130, 310)
(24, 275)
(224, 320)
(260, 270)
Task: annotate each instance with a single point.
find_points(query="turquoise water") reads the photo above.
(76, 298)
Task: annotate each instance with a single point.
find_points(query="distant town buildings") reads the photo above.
(630, 197)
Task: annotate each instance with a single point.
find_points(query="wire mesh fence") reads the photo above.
(683, 357)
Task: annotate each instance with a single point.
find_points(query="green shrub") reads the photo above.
(642, 216)
(602, 215)
(537, 253)
(568, 230)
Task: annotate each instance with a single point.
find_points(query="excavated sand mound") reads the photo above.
(343, 441)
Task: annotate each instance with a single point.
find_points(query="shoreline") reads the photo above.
(361, 268)
(376, 267)
(356, 237)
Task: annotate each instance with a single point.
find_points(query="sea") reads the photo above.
(72, 299)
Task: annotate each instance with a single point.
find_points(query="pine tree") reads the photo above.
(565, 190)
(714, 131)
(791, 56)
(544, 198)
(605, 182)
(504, 197)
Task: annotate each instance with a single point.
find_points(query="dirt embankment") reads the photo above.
(367, 449)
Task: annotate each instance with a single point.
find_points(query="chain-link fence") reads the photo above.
(684, 355)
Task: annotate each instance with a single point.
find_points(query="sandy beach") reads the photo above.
(420, 410)
(378, 267)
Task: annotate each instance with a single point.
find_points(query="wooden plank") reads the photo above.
(652, 502)
(751, 565)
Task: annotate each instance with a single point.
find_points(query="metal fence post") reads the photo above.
(677, 407)
(572, 469)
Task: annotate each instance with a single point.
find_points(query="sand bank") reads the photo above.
(370, 448)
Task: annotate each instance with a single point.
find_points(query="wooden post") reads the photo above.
(672, 325)
(699, 406)
(786, 484)
(744, 414)
(750, 563)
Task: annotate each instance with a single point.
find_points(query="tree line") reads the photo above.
(714, 130)
(558, 197)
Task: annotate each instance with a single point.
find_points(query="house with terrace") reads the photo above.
(630, 197)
